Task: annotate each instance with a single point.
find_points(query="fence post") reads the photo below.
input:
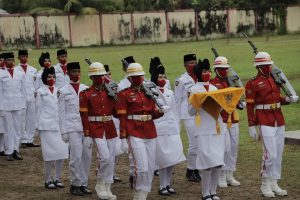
(132, 28)
(70, 30)
(37, 32)
(101, 29)
(167, 25)
(196, 24)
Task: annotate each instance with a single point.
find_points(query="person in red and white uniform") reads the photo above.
(97, 110)
(28, 130)
(136, 112)
(221, 68)
(264, 102)
(13, 93)
(45, 62)
(62, 77)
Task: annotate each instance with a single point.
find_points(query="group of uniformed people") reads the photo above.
(140, 119)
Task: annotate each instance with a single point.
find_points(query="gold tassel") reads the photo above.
(197, 118)
(229, 122)
(236, 116)
(218, 128)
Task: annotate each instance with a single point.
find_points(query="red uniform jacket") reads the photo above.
(134, 102)
(95, 102)
(263, 90)
(221, 84)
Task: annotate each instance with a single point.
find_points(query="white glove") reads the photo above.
(65, 137)
(243, 104)
(253, 132)
(88, 142)
(292, 99)
(124, 145)
(165, 109)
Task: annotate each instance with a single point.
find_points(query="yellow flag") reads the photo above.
(213, 101)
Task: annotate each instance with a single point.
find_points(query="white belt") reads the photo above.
(272, 106)
(140, 117)
(99, 118)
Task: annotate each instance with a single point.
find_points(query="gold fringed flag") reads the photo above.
(212, 102)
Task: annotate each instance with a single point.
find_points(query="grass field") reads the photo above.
(25, 179)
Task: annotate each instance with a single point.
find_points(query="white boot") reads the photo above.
(111, 196)
(231, 180)
(266, 188)
(138, 195)
(101, 190)
(276, 189)
(222, 180)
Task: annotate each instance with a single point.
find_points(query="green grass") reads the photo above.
(285, 51)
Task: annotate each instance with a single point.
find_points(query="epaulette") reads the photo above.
(253, 78)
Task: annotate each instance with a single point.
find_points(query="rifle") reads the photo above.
(111, 88)
(149, 89)
(277, 74)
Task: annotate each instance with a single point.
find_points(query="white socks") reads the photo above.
(205, 181)
(165, 175)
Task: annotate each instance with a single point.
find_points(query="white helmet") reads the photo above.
(221, 62)
(262, 58)
(96, 68)
(135, 69)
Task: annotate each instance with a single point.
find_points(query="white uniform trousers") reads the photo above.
(75, 149)
(28, 123)
(273, 144)
(106, 149)
(1, 134)
(86, 161)
(12, 128)
(230, 157)
(143, 154)
(192, 150)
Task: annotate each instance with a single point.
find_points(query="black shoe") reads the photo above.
(74, 190)
(17, 156)
(170, 190)
(116, 179)
(2, 153)
(59, 184)
(208, 197)
(85, 190)
(163, 192)
(23, 145)
(10, 157)
(214, 197)
(190, 175)
(31, 144)
(50, 185)
(197, 174)
(131, 181)
(156, 173)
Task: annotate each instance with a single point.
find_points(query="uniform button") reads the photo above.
(102, 106)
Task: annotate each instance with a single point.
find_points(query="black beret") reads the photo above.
(106, 67)
(23, 52)
(73, 65)
(189, 57)
(202, 65)
(43, 57)
(126, 61)
(158, 70)
(8, 55)
(46, 72)
(61, 52)
(154, 63)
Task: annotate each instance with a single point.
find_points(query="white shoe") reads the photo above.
(111, 196)
(231, 180)
(222, 180)
(138, 195)
(276, 189)
(266, 188)
(101, 190)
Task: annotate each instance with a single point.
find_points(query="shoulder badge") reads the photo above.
(176, 83)
(58, 93)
